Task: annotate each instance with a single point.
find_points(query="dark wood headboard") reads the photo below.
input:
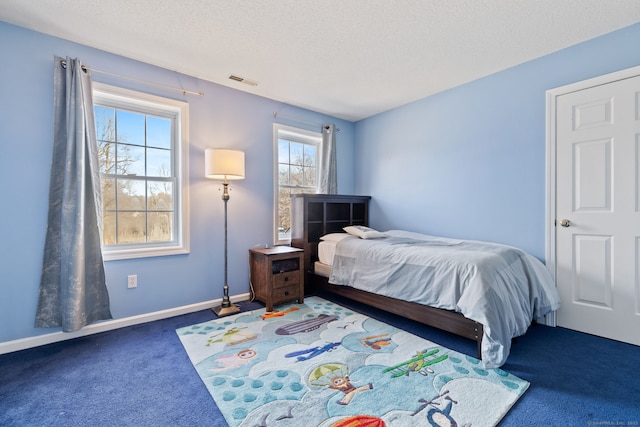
(314, 215)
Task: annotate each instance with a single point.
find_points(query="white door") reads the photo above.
(597, 209)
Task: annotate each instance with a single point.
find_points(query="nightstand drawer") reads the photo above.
(285, 294)
(289, 278)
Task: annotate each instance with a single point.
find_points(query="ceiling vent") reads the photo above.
(243, 80)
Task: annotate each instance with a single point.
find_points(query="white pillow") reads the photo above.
(334, 237)
(363, 232)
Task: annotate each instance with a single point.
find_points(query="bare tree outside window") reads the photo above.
(143, 149)
(297, 165)
(135, 157)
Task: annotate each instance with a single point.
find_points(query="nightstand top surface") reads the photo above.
(276, 250)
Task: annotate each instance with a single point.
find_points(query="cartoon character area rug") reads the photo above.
(320, 364)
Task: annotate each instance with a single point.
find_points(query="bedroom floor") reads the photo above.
(141, 376)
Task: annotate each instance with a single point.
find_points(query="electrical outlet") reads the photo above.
(132, 281)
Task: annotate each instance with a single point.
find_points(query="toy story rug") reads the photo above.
(320, 364)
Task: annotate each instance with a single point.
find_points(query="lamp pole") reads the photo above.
(226, 308)
(225, 165)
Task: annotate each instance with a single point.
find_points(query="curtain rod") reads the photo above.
(63, 63)
(275, 116)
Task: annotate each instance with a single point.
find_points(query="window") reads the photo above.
(296, 170)
(142, 150)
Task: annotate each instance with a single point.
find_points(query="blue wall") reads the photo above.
(224, 117)
(470, 162)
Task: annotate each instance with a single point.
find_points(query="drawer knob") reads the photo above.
(286, 279)
(286, 293)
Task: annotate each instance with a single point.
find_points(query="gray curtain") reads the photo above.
(73, 291)
(328, 163)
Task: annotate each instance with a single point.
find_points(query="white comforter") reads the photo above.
(499, 286)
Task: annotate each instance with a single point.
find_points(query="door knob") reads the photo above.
(565, 222)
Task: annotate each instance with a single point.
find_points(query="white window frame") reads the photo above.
(116, 97)
(297, 135)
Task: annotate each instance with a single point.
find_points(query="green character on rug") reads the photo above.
(336, 376)
(233, 336)
(418, 363)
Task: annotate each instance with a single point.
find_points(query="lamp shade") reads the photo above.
(224, 164)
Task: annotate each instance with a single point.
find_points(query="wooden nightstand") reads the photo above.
(277, 275)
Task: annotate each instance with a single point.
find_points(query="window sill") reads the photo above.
(118, 254)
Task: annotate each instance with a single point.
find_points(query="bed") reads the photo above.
(464, 287)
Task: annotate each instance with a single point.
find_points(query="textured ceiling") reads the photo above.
(347, 58)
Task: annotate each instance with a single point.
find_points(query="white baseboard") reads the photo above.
(108, 325)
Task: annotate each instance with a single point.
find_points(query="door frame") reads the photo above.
(551, 165)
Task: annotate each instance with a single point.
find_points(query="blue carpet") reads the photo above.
(141, 376)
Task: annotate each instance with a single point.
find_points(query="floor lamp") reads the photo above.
(224, 165)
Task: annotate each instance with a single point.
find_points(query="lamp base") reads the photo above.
(225, 311)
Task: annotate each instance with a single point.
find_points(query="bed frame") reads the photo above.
(313, 215)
